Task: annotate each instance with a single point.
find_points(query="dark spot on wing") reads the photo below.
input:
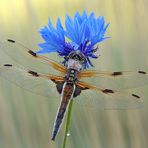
(33, 73)
(107, 91)
(117, 73)
(142, 72)
(8, 65)
(53, 80)
(85, 88)
(32, 53)
(12, 41)
(136, 96)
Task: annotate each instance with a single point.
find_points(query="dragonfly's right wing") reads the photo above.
(107, 98)
(41, 84)
(116, 79)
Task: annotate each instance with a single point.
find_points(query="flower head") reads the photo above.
(82, 33)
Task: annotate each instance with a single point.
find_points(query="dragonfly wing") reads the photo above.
(27, 57)
(91, 97)
(32, 81)
(116, 80)
(104, 98)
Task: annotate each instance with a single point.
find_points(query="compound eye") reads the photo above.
(82, 59)
(76, 57)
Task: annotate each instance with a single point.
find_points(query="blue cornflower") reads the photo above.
(82, 33)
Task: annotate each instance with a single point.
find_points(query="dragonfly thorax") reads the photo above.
(71, 76)
(74, 64)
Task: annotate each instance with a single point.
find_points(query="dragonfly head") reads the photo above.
(76, 59)
(77, 55)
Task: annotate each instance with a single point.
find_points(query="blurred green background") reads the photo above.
(26, 119)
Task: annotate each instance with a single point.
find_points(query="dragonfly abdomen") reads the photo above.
(67, 93)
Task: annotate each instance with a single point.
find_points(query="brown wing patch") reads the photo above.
(87, 73)
(90, 73)
(55, 79)
(113, 93)
(52, 63)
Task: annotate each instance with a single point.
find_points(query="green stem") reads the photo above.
(67, 122)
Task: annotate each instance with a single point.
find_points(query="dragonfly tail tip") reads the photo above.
(53, 138)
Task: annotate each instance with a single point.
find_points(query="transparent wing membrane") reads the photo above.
(116, 80)
(119, 100)
(104, 93)
(94, 97)
(107, 98)
(32, 81)
(27, 57)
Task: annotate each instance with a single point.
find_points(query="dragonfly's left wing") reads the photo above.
(23, 55)
(116, 79)
(38, 83)
(107, 98)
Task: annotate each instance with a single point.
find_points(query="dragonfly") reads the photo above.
(107, 91)
(69, 83)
